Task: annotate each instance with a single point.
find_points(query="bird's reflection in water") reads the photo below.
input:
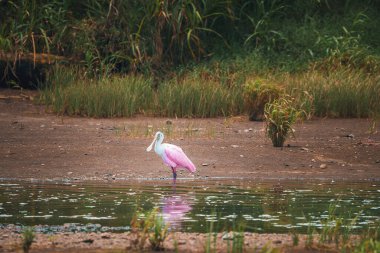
(175, 208)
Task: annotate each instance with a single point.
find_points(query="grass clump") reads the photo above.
(237, 238)
(367, 246)
(194, 97)
(295, 238)
(280, 115)
(69, 93)
(112, 97)
(257, 93)
(335, 228)
(28, 237)
(150, 226)
(340, 93)
(369, 242)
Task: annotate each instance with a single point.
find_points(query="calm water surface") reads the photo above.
(276, 206)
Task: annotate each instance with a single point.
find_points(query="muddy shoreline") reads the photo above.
(36, 144)
(11, 241)
(39, 146)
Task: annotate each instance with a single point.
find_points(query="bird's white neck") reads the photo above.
(158, 147)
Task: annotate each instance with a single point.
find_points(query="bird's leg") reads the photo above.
(174, 175)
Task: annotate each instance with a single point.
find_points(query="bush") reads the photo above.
(280, 115)
(28, 237)
(257, 93)
(150, 226)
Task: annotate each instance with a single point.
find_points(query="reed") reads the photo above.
(151, 226)
(197, 98)
(110, 97)
(369, 242)
(28, 237)
(340, 93)
(257, 93)
(280, 115)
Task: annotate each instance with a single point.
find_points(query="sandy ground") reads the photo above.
(175, 242)
(35, 144)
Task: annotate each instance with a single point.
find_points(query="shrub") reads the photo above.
(150, 226)
(28, 237)
(280, 115)
(257, 93)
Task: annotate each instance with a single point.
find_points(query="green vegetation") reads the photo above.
(149, 226)
(339, 230)
(257, 93)
(28, 237)
(339, 93)
(211, 239)
(193, 58)
(280, 115)
(108, 97)
(134, 94)
(367, 245)
(237, 242)
(336, 229)
(194, 97)
(295, 238)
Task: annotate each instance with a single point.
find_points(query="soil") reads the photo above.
(37, 144)
(175, 242)
(41, 145)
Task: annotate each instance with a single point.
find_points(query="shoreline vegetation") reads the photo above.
(194, 58)
(342, 93)
(150, 234)
(179, 242)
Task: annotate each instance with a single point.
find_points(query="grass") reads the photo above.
(339, 93)
(197, 98)
(149, 226)
(342, 92)
(172, 130)
(199, 60)
(257, 93)
(369, 242)
(131, 95)
(295, 239)
(333, 228)
(28, 237)
(113, 97)
(280, 115)
(211, 239)
(338, 229)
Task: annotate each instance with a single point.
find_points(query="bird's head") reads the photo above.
(159, 136)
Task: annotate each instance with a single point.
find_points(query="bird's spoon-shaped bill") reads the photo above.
(151, 145)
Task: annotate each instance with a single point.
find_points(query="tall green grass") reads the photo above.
(132, 94)
(341, 92)
(28, 236)
(198, 98)
(201, 93)
(111, 97)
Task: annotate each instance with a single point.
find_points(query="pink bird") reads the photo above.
(172, 155)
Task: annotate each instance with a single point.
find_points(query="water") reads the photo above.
(278, 206)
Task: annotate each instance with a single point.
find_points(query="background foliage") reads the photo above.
(214, 42)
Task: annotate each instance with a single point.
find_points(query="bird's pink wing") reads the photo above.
(176, 155)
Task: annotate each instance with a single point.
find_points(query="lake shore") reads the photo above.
(40, 146)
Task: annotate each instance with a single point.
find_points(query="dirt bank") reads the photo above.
(38, 144)
(11, 241)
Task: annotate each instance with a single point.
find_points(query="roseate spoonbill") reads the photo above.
(172, 155)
